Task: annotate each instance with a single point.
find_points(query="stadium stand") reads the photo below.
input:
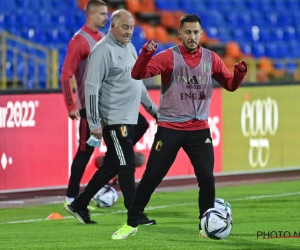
(35, 34)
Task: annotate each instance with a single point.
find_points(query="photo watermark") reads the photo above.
(277, 234)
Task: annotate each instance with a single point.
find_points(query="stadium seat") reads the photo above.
(238, 5)
(258, 49)
(149, 32)
(291, 68)
(138, 33)
(252, 5)
(167, 19)
(271, 18)
(44, 19)
(289, 33)
(229, 62)
(266, 65)
(211, 31)
(161, 34)
(277, 34)
(264, 35)
(133, 6)
(14, 31)
(233, 50)
(3, 20)
(147, 5)
(8, 6)
(166, 5)
(224, 34)
(271, 50)
(284, 18)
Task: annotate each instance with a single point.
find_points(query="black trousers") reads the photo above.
(139, 129)
(167, 142)
(82, 157)
(119, 159)
(84, 151)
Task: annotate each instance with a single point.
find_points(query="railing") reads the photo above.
(27, 65)
(276, 70)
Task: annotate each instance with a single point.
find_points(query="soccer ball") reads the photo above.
(216, 223)
(223, 204)
(105, 197)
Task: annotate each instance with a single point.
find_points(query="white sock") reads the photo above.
(68, 199)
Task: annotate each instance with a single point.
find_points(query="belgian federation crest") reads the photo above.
(158, 145)
(124, 131)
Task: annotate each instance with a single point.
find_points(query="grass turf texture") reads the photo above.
(261, 207)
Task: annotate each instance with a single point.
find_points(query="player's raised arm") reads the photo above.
(147, 66)
(224, 77)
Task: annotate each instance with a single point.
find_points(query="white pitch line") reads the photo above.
(265, 196)
(165, 206)
(12, 202)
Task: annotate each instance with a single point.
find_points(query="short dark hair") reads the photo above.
(189, 18)
(93, 4)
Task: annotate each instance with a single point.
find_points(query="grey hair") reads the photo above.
(115, 16)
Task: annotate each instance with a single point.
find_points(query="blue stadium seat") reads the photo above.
(28, 18)
(80, 17)
(14, 30)
(9, 70)
(278, 5)
(244, 19)
(265, 6)
(264, 35)
(293, 4)
(4, 20)
(238, 35)
(253, 5)
(211, 31)
(138, 33)
(277, 50)
(224, 34)
(238, 5)
(20, 68)
(289, 33)
(294, 48)
(271, 18)
(246, 48)
(231, 18)
(271, 49)
(8, 6)
(284, 18)
(11, 21)
(258, 49)
(282, 50)
(192, 6)
(277, 34)
(166, 5)
(279, 65)
(42, 76)
(139, 43)
(291, 67)
(52, 35)
(216, 17)
(257, 18)
(44, 19)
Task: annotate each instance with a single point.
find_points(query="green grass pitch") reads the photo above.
(256, 209)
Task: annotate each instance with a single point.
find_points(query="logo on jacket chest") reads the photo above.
(191, 79)
(193, 96)
(128, 68)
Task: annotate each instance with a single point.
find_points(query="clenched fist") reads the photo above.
(150, 46)
(241, 66)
